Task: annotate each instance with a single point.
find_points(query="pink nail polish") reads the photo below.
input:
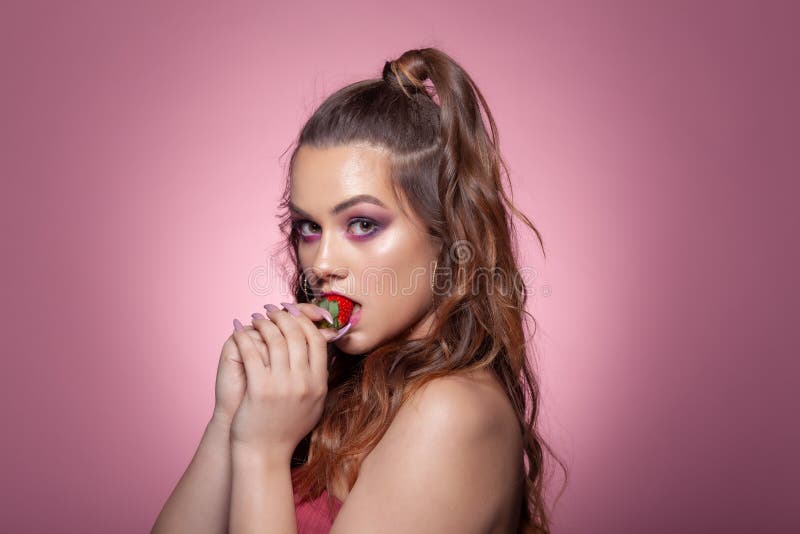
(291, 308)
(342, 331)
(271, 308)
(325, 313)
(237, 325)
(257, 316)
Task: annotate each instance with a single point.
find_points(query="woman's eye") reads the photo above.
(362, 227)
(299, 225)
(361, 224)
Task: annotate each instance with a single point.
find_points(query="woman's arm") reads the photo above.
(200, 502)
(262, 498)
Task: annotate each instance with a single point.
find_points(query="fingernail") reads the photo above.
(237, 325)
(342, 332)
(257, 316)
(325, 313)
(329, 334)
(291, 308)
(271, 308)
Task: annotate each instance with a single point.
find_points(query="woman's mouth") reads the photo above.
(345, 312)
(356, 316)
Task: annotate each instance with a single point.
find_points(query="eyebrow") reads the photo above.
(341, 206)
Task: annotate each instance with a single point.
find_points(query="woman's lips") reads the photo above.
(356, 316)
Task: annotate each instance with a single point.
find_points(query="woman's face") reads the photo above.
(354, 239)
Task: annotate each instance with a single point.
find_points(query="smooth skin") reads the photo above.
(285, 394)
(451, 460)
(200, 502)
(379, 255)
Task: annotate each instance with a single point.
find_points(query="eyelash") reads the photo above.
(296, 225)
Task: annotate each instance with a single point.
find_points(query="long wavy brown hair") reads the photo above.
(426, 110)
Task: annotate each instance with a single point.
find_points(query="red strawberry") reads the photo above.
(340, 308)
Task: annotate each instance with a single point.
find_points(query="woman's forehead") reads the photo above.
(327, 176)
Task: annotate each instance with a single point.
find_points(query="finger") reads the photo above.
(258, 338)
(315, 313)
(317, 339)
(254, 369)
(276, 345)
(295, 339)
(342, 331)
(258, 341)
(230, 350)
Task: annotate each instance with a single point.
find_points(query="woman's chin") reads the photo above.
(345, 342)
(351, 343)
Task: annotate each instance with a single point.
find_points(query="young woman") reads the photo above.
(419, 414)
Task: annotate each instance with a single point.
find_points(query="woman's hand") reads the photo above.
(286, 385)
(231, 383)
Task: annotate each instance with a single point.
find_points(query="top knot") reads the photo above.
(396, 74)
(409, 74)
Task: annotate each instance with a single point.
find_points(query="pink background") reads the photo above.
(650, 142)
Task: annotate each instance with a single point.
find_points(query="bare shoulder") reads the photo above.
(471, 406)
(450, 462)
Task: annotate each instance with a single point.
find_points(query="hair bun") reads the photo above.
(397, 76)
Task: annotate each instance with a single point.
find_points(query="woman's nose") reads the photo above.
(326, 263)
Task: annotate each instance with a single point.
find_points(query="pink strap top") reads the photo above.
(313, 516)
